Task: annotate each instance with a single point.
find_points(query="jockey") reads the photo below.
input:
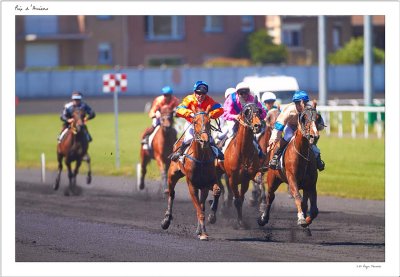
(66, 115)
(287, 122)
(233, 106)
(224, 128)
(166, 99)
(186, 109)
(268, 100)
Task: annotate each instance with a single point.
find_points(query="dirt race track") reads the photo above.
(111, 221)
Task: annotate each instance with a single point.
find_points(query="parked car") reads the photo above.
(283, 86)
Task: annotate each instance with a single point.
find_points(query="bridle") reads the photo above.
(247, 115)
(204, 129)
(306, 118)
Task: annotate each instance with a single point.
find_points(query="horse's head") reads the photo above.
(167, 118)
(78, 122)
(202, 127)
(307, 122)
(250, 116)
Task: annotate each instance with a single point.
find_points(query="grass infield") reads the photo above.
(355, 168)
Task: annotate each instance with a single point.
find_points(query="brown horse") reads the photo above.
(161, 148)
(73, 147)
(242, 163)
(258, 192)
(299, 171)
(199, 168)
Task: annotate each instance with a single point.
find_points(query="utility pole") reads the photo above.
(368, 60)
(322, 68)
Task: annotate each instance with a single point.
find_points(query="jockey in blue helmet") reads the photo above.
(287, 123)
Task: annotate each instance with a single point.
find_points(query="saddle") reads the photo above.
(148, 146)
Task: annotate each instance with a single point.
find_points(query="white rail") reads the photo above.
(354, 110)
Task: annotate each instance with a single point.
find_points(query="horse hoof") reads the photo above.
(203, 237)
(55, 186)
(88, 179)
(212, 218)
(302, 222)
(307, 231)
(261, 221)
(308, 220)
(141, 186)
(165, 223)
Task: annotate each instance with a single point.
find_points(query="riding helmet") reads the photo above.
(300, 95)
(167, 90)
(76, 95)
(201, 87)
(268, 96)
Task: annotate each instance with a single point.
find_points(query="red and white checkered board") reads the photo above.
(113, 81)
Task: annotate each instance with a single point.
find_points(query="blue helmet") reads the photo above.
(167, 90)
(300, 95)
(201, 87)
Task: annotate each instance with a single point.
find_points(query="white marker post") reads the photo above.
(115, 83)
(43, 162)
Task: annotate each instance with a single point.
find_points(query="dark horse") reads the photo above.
(299, 171)
(242, 163)
(258, 192)
(161, 148)
(73, 147)
(199, 168)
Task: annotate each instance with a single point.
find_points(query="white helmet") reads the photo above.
(268, 96)
(242, 85)
(229, 91)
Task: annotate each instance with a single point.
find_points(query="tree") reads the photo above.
(263, 50)
(353, 53)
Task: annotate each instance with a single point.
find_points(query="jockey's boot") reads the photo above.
(89, 137)
(320, 163)
(147, 133)
(175, 156)
(218, 153)
(274, 162)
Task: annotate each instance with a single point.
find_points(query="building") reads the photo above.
(47, 41)
(300, 34)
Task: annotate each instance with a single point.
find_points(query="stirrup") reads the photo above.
(274, 163)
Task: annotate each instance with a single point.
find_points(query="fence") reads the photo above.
(337, 112)
(149, 81)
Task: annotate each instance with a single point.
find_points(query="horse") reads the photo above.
(161, 148)
(299, 171)
(258, 192)
(242, 163)
(198, 166)
(73, 147)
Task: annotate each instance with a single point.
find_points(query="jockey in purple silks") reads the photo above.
(232, 108)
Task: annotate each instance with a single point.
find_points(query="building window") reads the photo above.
(104, 51)
(247, 24)
(337, 37)
(214, 24)
(292, 35)
(164, 61)
(164, 27)
(41, 24)
(104, 17)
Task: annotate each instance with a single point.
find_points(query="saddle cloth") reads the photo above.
(60, 138)
(227, 142)
(151, 137)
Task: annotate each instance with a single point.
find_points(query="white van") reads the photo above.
(283, 86)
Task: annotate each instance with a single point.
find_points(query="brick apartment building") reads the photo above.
(47, 41)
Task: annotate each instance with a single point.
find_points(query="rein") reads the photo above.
(197, 137)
